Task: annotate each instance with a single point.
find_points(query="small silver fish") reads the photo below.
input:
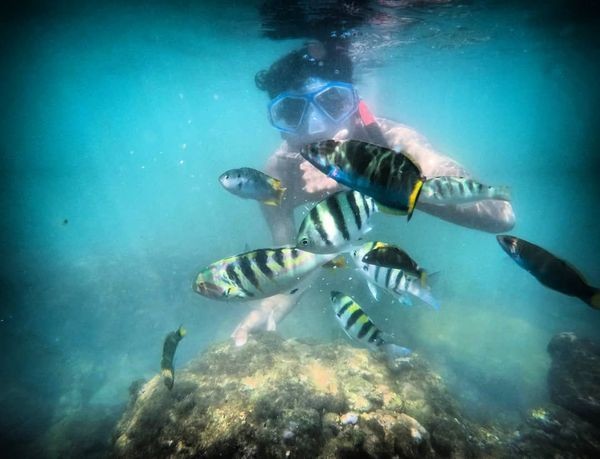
(335, 222)
(358, 326)
(460, 190)
(395, 281)
(249, 183)
(390, 256)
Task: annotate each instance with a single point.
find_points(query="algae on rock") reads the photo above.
(276, 398)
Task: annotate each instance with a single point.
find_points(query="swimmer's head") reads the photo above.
(312, 97)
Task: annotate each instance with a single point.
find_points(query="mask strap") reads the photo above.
(371, 126)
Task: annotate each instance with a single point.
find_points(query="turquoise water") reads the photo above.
(119, 119)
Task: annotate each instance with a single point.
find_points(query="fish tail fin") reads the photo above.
(502, 193)
(423, 278)
(279, 192)
(414, 196)
(595, 299)
(394, 351)
(337, 262)
(425, 295)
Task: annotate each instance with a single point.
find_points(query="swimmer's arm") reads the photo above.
(489, 215)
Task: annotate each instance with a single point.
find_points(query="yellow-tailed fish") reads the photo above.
(460, 190)
(550, 270)
(389, 177)
(394, 280)
(249, 183)
(358, 326)
(258, 274)
(336, 222)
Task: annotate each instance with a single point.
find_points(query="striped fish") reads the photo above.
(460, 190)
(389, 177)
(358, 326)
(395, 281)
(335, 222)
(258, 274)
(390, 256)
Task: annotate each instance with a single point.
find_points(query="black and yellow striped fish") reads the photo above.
(258, 274)
(358, 326)
(391, 256)
(460, 190)
(389, 177)
(395, 281)
(335, 222)
(550, 270)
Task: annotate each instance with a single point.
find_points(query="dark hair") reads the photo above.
(293, 69)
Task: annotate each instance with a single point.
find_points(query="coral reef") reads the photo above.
(277, 398)
(571, 428)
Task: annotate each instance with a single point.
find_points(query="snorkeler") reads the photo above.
(313, 99)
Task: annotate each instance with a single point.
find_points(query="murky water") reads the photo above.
(117, 121)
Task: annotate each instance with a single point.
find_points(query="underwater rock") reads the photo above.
(555, 432)
(277, 398)
(574, 376)
(569, 429)
(84, 432)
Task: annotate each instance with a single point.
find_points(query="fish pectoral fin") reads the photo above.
(232, 291)
(337, 262)
(405, 300)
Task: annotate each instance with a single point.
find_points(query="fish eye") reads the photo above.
(304, 241)
(238, 176)
(227, 176)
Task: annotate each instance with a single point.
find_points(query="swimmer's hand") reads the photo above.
(314, 180)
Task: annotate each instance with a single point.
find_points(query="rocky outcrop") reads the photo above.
(276, 398)
(570, 428)
(574, 376)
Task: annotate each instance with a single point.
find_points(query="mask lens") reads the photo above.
(287, 113)
(338, 102)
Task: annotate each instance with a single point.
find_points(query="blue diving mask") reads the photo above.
(312, 111)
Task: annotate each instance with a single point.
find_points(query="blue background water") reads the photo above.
(118, 119)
